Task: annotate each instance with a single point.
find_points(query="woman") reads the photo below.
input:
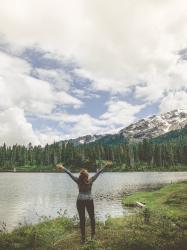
(85, 198)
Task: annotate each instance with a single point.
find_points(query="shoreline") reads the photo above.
(119, 171)
(75, 169)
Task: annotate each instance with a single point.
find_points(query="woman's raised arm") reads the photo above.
(62, 168)
(101, 170)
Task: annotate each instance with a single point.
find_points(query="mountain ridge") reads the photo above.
(146, 128)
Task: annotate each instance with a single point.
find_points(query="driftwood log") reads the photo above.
(139, 204)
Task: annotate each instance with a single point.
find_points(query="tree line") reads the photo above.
(142, 155)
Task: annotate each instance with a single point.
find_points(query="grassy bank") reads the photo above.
(171, 200)
(166, 228)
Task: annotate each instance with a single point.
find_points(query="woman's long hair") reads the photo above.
(84, 177)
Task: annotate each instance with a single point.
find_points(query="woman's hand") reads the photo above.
(60, 167)
(109, 164)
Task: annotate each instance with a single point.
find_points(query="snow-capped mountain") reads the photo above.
(146, 128)
(156, 125)
(85, 139)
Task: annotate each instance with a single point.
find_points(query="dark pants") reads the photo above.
(89, 205)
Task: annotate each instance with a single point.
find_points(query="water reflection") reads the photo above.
(24, 196)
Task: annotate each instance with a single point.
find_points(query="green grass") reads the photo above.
(170, 200)
(166, 228)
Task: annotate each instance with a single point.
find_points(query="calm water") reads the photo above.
(26, 196)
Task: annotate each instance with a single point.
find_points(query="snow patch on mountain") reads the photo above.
(156, 125)
(86, 139)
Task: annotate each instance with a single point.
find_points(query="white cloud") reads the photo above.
(103, 84)
(64, 98)
(59, 78)
(77, 125)
(135, 42)
(150, 92)
(14, 128)
(120, 44)
(176, 100)
(83, 125)
(49, 136)
(18, 88)
(84, 93)
(121, 113)
(22, 94)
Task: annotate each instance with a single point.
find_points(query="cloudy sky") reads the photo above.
(77, 67)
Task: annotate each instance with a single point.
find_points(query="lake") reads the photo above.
(26, 196)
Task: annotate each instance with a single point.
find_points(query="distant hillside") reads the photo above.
(113, 139)
(176, 136)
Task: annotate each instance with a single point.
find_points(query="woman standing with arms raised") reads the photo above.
(85, 198)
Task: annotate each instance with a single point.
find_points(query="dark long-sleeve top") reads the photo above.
(84, 188)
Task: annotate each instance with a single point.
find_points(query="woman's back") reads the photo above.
(84, 187)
